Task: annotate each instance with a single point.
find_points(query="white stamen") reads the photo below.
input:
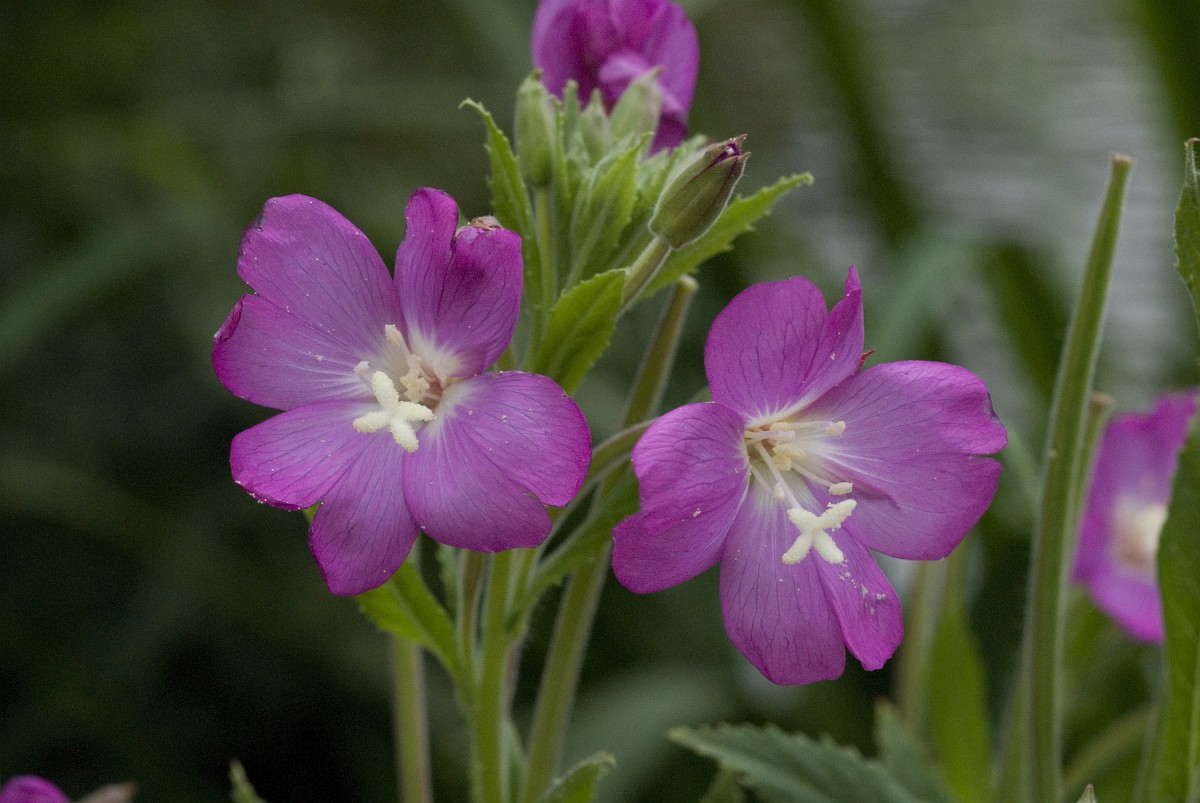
(397, 416)
(841, 488)
(836, 428)
(814, 532)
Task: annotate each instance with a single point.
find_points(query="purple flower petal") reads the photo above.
(294, 459)
(31, 789)
(308, 260)
(863, 601)
(363, 529)
(605, 44)
(270, 357)
(500, 447)
(460, 293)
(1126, 504)
(692, 475)
(777, 614)
(913, 430)
(774, 348)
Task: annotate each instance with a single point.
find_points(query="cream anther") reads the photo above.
(814, 532)
(396, 416)
(841, 488)
(836, 428)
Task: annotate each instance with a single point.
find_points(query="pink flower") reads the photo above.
(606, 44)
(1125, 511)
(801, 466)
(390, 419)
(31, 789)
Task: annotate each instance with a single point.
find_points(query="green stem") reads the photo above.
(912, 681)
(410, 722)
(548, 291)
(643, 270)
(578, 607)
(491, 701)
(1055, 526)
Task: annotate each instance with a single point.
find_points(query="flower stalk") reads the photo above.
(1042, 672)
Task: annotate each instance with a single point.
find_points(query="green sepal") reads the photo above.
(793, 768)
(405, 607)
(1187, 225)
(579, 784)
(738, 218)
(603, 208)
(581, 325)
(905, 758)
(1176, 769)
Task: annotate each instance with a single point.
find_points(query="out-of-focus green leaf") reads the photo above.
(725, 788)
(1187, 225)
(404, 606)
(903, 756)
(581, 324)
(739, 217)
(1176, 772)
(579, 784)
(958, 724)
(243, 790)
(792, 768)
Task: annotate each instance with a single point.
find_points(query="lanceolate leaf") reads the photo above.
(739, 217)
(603, 209)
(903, 756)
(581, 324)
(1187, 225)
(794, 768)
(1177, 763)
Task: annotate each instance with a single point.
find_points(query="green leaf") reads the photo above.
(958, 724)
(603, 208)
(904, 757)
(581, 324)
(579, 784)
(739, 217)
(510, 197)
(794, 768)
(1187, 225)
(725, 788)
(405, 607)
(1177, 768)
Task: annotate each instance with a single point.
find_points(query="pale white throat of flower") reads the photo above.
(780, 449)
(395, 414)
(1137, 526)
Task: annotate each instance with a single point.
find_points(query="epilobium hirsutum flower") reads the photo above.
(389, 419)
(31, 789)
(606, 44)
(1125, 511)
(799, 467)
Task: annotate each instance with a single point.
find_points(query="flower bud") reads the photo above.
(640, 106)
(595, 129)
(535, 130)
(697, 193)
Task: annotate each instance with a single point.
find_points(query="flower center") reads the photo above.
(789, 459)
(421, 393)
(1137, 526)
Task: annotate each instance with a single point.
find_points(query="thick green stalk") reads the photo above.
(490, 718)
(643, 270)
(920, 626)
(1055, 526)
(577, 610)
(548, 292)
(410, 722)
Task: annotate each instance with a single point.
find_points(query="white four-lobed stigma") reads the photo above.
(394, 415)
(814, 531)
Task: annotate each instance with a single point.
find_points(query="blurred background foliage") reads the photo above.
(155, 622)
